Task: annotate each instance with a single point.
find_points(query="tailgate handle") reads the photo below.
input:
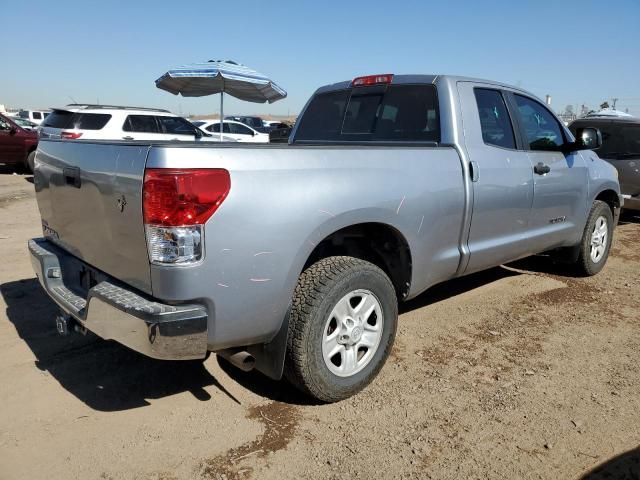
(72, 176)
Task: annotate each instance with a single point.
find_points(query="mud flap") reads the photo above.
(270, 356)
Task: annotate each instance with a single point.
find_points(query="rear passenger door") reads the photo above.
(560, 179)
(502, 178)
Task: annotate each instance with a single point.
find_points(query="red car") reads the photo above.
(17, 145)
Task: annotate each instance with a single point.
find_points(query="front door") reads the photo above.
(502, 178)
(560, 179)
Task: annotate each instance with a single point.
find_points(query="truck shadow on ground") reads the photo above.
(109, 377)
(104, 375)
(625, 466)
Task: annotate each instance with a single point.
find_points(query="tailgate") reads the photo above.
(90, 201)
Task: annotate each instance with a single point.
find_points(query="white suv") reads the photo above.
(35, 116)
(107, 122)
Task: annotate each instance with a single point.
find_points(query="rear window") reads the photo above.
(90, 121)
(81, 121)
(58, 119)
(396, 113)
(141, 124)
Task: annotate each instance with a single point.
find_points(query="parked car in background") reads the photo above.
(35, 116)
(240, 132)
(254, 122)
(109, 122)
(621, 148)
(17, 144)
(280, 135)
(26, 124)
(294, 258)
(274, 125)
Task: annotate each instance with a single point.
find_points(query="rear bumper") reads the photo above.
(115, 312)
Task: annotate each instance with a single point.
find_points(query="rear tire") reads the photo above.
(342, 326)
(29, 162)
(596, 240)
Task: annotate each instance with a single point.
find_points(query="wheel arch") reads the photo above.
(612, 199)
(376, 242)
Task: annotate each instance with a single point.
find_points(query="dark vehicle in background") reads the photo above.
(17, 145)
(281, 134)
(271, 126)
(621, 148)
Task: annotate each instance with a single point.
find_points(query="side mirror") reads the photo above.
(12, 131)
(587, 138)
(198, 133)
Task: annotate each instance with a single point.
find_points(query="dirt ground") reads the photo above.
(518, 372)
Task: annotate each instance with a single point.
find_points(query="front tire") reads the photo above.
(596, 240)
(341, 327)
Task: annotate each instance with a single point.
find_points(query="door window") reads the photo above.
(89, 121)
(4, 125)
(239, 129)
(216, 128)
(540, 128)
(176, 126)
(37, 116)
(495, 122)
(140, 124)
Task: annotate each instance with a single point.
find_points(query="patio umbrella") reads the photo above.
(201, 79)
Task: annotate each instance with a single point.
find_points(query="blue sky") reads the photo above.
(111, 52)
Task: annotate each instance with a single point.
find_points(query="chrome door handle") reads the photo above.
(127, 138)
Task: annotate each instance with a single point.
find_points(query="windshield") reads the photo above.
(24, 123)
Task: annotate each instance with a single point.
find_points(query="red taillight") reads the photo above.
(372, 80)
(177, 197)
(70, 135)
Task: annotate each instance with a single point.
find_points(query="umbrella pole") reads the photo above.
(221, 113)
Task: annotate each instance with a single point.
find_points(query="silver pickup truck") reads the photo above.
(292, 258)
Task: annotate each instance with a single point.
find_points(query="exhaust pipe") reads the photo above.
(65, 325)
(238, 358)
